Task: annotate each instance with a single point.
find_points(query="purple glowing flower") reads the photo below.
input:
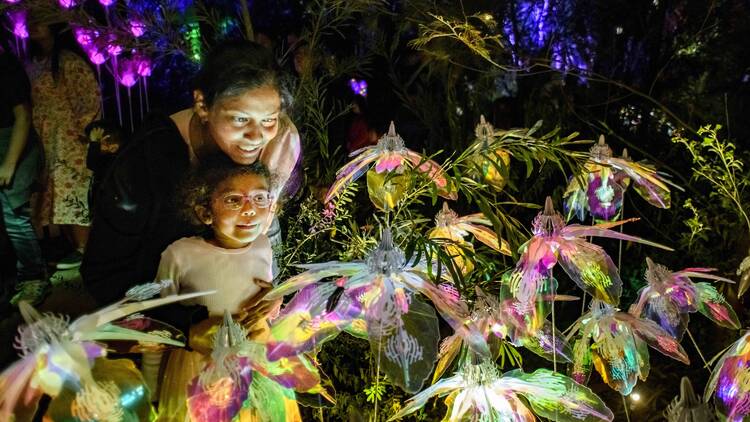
(358, 87)
(67, 4)
(142, 65)
(96, 56)
(127, 75)
(84, 36)
(137, 28)
(114, 49)
(107, 3)
(18, 22)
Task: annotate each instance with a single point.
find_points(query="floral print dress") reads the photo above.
(61, 111)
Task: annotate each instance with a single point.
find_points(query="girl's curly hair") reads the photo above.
(202, 181)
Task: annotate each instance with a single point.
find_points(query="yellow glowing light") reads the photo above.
(635, 397)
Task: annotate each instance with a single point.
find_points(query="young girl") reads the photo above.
(233, 257)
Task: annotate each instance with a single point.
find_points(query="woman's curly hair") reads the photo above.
(201, 182)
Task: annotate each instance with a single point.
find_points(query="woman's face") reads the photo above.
(236, 219)
(242, 125)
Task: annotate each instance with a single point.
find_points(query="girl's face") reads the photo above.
(242, 125)
(239, 210)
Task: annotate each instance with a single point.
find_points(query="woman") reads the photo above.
(65, 99)
(239, 110)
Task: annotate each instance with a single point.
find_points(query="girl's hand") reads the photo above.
(256, 309)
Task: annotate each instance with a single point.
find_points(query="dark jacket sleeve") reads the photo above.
(93, 156)
(134, 219)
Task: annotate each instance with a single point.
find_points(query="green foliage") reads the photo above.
(697, 224)
(375, 391)
(464, 31)
(714, 161)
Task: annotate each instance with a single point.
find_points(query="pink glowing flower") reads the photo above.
(142, 65)
(96, 56)
(137, 28)
(114, 49)
(67, 4)
(84, 36)
(128, 75)
(18, 22)
(107, 3)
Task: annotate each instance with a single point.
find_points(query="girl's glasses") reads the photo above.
(235, 201)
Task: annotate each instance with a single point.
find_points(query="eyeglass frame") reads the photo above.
(247, 198)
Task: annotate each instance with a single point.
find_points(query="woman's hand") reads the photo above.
(97, 135)
(6, 174)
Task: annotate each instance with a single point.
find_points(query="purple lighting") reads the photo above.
(358, 87)
(137, 28)
(113, 48)
(67, 4)
(18, 22)
(107, 3)
(142, 65)
(84, 36)
(127, 75)
(96, 56)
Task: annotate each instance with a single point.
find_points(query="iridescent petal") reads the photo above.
(557, 397)
(353, 170)
(712, 304)
(591, 269)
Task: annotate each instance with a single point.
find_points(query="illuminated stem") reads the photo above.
(140, 96)
(130, 111)
(705, 364)
(377, 370)
(554, 334)
(619, 250)
(625, 407)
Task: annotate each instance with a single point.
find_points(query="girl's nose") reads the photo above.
(248, 209)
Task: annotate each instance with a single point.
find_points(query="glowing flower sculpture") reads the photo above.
(490, 161)
(730, 380)
(588, 265)
(600, 190)
(57, 355)
(502, 320)
(450, 231)
(401, 327)
(387, 180)
(480, 393)
(670, 297)
(218, 392)
(616, 342)
(238, 366)
(316, 314)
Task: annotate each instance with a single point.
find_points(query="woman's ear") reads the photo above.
(199, 105)
(203, 214)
